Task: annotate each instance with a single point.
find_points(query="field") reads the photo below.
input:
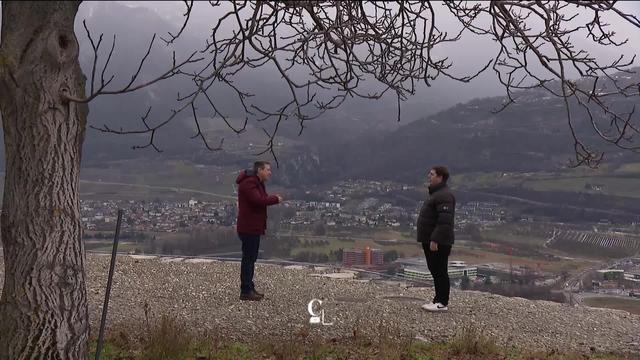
(615, 186)
(113, 191)
(617, 182)
(101, 243)
(630, 305)
(479, 256)
(347, 241)
(633, 168)
(512, 234)
(166, 180)
(463, 250)
(406, 250)
(107, 246)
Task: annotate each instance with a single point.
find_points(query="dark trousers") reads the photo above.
(437, 262)
(250, 246)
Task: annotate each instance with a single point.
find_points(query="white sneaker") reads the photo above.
(434, 307)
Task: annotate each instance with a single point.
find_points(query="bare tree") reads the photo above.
(323, 51)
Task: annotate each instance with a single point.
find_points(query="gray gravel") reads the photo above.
(205, 296)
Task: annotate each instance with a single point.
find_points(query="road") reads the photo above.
(573, 285)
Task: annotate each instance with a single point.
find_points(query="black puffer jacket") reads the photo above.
(436, 219)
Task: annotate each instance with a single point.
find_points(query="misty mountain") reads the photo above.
(134, 28)
(530, 135)
(362, 138)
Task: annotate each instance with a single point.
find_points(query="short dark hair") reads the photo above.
(442, 171)
(259, 165)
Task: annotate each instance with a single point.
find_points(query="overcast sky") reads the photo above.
(468, 54)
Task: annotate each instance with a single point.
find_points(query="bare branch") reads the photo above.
(175, 69)
(340, 45)
(200, 134)
(187, 15)
(552, 48)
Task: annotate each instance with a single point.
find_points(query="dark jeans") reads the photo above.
(437, 262)
(250, 246)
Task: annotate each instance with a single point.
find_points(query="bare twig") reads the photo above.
(187, 15)
(340, 45)
(549, 45)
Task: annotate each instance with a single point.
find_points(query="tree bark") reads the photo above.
(43, 308)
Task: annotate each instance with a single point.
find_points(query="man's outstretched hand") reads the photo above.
(433, 246)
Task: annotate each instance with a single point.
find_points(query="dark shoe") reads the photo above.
(259, 294)
(252, 296)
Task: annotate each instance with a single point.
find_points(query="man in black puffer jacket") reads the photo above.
(435, 232)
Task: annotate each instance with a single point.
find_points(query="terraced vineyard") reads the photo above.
(608, 244)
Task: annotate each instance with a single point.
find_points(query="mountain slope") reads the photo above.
(530, 135)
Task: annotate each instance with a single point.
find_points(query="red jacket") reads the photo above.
(252, 204)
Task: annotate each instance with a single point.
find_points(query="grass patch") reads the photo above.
(630, 305)
(477, 255)
(479, 180)
(630, 168)
(148, 180)
(169, 339)
(511, 235)
(472, 342)
(616, 186)
(334, 244)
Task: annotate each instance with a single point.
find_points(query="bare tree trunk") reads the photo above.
(43, 309)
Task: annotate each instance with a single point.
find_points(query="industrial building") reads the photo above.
(366, 256)
(416, 268)
(454, 273)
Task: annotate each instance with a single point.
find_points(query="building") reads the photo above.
(366, 256)
(454, 273)
(610, 274)
(377, 257)
(353, 257)
(457, 263)
(632, 277)
(416, 268)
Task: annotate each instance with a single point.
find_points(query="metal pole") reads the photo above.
(109, 281)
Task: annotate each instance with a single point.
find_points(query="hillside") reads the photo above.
(361, 139)
(134, 28)
(530, 135)
(204, 294)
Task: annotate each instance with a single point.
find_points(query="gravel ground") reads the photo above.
(204, 295)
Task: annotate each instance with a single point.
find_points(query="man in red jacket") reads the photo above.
(252, 222)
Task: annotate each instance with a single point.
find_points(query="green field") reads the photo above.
(616, 186)
(470, 254)
(94, 191)
(512, 234)
(618, 182)
(144, 179)
(631, 168)
(480, 256)
(107, 246)
(166, 180)
(406, 250)
(630, 305)
(129, 245)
